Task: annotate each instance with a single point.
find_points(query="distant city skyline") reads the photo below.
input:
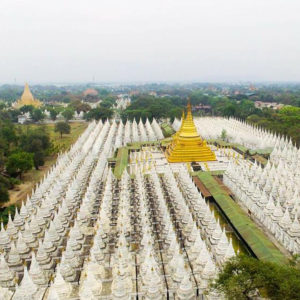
(137, 83)
(149, 41)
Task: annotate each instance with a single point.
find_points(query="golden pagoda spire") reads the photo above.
(27, 92)
(187, 145)
(27, 98)
(182, 123)
(188, 128)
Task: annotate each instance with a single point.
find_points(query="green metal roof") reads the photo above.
(121, 162)
(256, 239)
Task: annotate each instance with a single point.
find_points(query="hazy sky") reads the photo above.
(154, 40)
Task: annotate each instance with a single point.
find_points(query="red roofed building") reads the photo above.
(90, 92)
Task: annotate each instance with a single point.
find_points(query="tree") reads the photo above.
(224, 135)
(4, 197)
(198, 97)
(53, 114)
(145, 115)
(7, 135)
(85, 107)
(229, 109)
(242, 277)
(37, 115)
(62, 127)
(10, 115)
(145, 105)
(294, 132)
(4, 185)
(19, 162)
(175, 113)
(290, 115)
(103, 92)
(4, 214)
(27, 108)
(78, 106)
(2, 105)
(108, 101)
(36, 142)
(246, 108)
(67, 97)
(253, 119)
(68, 114)
(99, 113)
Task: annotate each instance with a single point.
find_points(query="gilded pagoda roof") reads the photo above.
(27, 98)
(188, 128)
(187, 145)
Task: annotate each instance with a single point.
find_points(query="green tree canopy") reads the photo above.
(18, 163)
(4, 213)
(8, 140)
(68, 113)
(10, 115)
(78, 106)
(7, 133)
(66, 97)
(224, 135)
(53, 114)
(62, 127)
(242, 277)
(37, 115)
(290, 115)
(102, 92)
(27, 108)
(4, 183)
(98, 113)
(197, 97)
(148, 106)
(108, 101)
(36, 142)
(175, 112)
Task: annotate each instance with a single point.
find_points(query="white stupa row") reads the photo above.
(138, 132)
(44, 222)
(237, 131)
(271, 193)
(38, 233)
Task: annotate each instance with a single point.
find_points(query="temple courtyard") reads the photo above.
(115, 218)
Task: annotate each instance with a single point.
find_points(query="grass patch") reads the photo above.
(64, 143)
(59, 144)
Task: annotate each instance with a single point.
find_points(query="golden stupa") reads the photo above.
(27, 99)
(187, 145)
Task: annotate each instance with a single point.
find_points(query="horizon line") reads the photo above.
(144, 82)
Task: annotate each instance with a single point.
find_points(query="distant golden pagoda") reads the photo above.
(27, 99)
(187, 145)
